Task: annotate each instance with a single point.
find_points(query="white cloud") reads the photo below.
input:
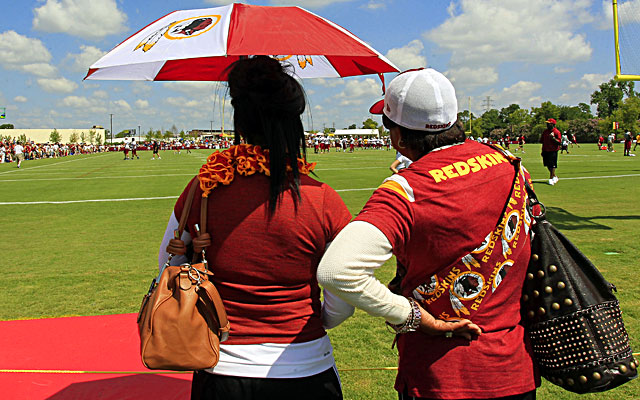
(21, 53)
(519, 90)
(76, 102)
(141, 103)
(628, 13)
(409, 56)
(139, 88)
(87, 19)
(328, 83)
(520, 93)
(100, 94)
(83, 60)
(122, 104)
(465, 78)
(591, 81)
(477, 36)
(357, 92)
(20, 99)
(374, 5)
(562, 70)
(182, 102)
(192, 88)
(57, 85)
(41, 69)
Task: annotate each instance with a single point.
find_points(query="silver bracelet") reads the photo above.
(413, 321)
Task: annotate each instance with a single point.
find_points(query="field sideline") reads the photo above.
(92, 224)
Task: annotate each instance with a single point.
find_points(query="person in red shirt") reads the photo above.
(551, 140)
(457, 313)
(269, 224)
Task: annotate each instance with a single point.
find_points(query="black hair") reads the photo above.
(422, 141)
(267, 104)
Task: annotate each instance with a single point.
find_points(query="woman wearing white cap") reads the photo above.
(456, 220)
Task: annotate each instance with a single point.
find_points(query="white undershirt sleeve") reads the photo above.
(347, 270)
(168, 235)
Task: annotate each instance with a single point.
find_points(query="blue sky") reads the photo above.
(516, 51)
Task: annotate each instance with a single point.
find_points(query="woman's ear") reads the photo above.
(396, 138)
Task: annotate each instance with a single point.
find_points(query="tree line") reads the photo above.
(615, 101)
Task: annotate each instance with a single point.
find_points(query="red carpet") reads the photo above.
(98, 343)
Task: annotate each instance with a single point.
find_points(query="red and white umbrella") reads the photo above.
(198, 45)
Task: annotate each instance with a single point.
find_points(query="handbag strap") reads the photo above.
(187, 206)
(533, 201)
(515, 162)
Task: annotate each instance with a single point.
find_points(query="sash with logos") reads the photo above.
(460, 289)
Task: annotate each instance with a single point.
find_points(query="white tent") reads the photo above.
(356, 132)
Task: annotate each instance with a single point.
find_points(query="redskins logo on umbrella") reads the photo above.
(302, 60)
(183, 29)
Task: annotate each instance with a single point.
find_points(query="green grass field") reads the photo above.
(80, 257)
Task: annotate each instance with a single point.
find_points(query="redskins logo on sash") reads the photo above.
(460, 289)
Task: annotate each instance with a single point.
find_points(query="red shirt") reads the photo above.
(547, 142)
(456, 198)
(265, 269)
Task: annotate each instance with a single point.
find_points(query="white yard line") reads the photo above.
(93, 177)
(337, 190)
(9, 203)
(50, 165)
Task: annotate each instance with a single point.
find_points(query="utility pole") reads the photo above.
(139, 133)
(211, 131)
(488, 103)
(111, 130)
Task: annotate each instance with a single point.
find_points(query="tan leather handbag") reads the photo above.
(182, 319)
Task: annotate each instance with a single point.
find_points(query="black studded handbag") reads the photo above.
(573, 318)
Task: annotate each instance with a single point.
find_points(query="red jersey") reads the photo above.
(265, 268)
(434, 213)
(547, 142)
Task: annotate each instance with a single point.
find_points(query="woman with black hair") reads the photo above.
(269, 224)
(457, 222)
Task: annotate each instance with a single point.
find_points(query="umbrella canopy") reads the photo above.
(198, 45)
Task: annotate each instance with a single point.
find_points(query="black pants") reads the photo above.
(524, 396)
(323, 386)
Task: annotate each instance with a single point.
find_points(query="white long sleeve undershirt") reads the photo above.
(347, 270)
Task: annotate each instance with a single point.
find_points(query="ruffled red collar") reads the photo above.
(246, 159)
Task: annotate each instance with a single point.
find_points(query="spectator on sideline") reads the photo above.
(600, 142)
(423, 215)
(401, 162)
(134, 149)
(565, 143)
(18, 150)
(627, 143)
(551, 140)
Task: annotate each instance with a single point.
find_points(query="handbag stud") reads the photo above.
(548, 289)
(596, 376)
(553, 268)
(555, 306)
(568, 302)
(623, 369)
(540, 274)
(583, 379)
(561, 285)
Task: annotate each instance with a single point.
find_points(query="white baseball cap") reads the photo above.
(422, 100)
